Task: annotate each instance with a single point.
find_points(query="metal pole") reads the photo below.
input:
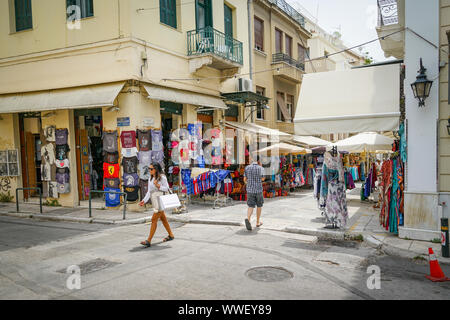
(40, 199)
(125, 205)
(90, 213)
(17, 199)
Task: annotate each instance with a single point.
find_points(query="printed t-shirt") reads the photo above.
(145, 157)
(144, 172)
(132, 193)
(158, 156)
(130, 165)
(53, 190)
(112, 199)
(130, 180)
(128, 139)
(129, 152)
(145, 140)
(111, 157)
(61, 136)
(110, 141)
(63, 181)
(157, 140)
(110, 170)
(62, 163)
(143, 187)
(61, 151)
(49, 133)
(112, 183)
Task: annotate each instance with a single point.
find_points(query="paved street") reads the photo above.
(203, 262)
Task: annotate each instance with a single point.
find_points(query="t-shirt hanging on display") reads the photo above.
(130, 165)
(158, 156)
(110, 141)
(112, 183)
(49, 134)
(112, 199)
(111, 157)
(144, 172)
(129, 152)
(61, 136)
(143, 187)
(63, 180)
(130, 180)
(62, 163)
(128, 139)
(53, 190)
(132, 193)
(111, 170)
(61, 151)
(157, 140)
(145, 157)
(145, 140)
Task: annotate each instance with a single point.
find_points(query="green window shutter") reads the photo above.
(86, 7)
(24, 18)
(90, 8)
(168, 12)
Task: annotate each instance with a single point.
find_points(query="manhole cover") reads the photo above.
(269, 274)
(93, 266)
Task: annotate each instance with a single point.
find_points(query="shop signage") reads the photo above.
(123, 122)
(148, 122)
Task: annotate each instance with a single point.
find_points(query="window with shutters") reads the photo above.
(290, 105)
(288, 47)
(280, 96)
(259, 34)
(278, 41)
(301, 53)
(22, 10)
(260, 112)
(168, 12)
(86, 8)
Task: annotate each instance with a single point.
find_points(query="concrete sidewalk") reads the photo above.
(297, 213)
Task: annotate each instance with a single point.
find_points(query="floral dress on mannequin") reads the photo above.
(332, 191)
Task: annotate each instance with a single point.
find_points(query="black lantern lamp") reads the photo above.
(448, 127)
(422, 86)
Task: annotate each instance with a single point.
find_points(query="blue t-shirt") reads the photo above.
(112, 199)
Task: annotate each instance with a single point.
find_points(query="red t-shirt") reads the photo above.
(128, 139)
(110, 171)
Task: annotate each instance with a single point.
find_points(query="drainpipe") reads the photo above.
(250, 44)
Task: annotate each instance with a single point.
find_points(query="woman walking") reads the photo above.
(157, 184)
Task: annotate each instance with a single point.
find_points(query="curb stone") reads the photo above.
(323, 234)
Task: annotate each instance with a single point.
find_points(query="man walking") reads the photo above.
(253, 178)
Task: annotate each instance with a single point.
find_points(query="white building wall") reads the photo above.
(421, 210)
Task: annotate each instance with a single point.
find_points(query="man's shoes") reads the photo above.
(248, 225)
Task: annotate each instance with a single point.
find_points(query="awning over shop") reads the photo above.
(180, 96)
(368, 141)
(357, 100)
(310, 141)
(102, 95)
(283, 149)
(254, 128)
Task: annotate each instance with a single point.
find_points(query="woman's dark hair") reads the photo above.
(158, 170)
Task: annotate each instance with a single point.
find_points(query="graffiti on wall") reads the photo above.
(5, 184)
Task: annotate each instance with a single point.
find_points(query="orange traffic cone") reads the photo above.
(436, 274)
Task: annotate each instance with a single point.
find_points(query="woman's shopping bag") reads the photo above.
(169, 201)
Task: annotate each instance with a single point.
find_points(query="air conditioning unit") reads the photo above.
(244, 84)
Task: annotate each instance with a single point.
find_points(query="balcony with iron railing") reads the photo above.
(391, 18)
(225, 51)
(286, 8)
(286, 67)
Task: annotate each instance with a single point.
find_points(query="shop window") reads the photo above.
(259, 34)
(23, 15)
(260, 112)
(168, 12)
(86, 7)
(171, 107)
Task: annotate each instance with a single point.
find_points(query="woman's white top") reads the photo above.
(163, 187)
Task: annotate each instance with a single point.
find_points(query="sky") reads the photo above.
(354, 19)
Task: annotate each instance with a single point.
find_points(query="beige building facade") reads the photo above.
(115, 65)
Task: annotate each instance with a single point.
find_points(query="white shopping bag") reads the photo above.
(169, 201)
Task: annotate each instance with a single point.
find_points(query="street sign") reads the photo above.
(148, 121)
(123, 122)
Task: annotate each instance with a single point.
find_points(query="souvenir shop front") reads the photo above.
(351, 101)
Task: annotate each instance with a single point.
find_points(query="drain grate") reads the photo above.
(93, 266)
(269, 274)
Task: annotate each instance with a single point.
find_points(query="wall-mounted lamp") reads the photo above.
(448, 127)
(113, 108)
(422, 86)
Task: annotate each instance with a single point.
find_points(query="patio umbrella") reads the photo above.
(368, 141)
(284, 148)
(309, 141)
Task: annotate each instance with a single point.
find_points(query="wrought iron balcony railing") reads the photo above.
(387, 12)
(282, 57)
(294, 14)
(209, 40)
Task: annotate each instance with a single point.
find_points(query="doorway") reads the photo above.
(89, 151)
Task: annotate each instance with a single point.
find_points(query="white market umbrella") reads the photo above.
(368, 141)
(284, 148)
